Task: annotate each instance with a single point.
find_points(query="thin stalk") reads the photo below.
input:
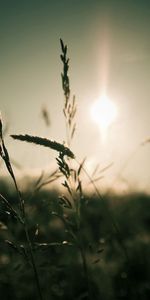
(85, 270)
(36, 276)
(22, 209)
(12, 210)
(67, 133)
(35, 272)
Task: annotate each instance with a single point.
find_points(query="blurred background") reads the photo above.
(108, 45)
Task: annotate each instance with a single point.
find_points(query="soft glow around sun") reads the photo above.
(104, 113)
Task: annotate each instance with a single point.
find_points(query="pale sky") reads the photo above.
(108, 44)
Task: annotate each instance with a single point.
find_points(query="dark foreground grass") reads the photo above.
(111, 275)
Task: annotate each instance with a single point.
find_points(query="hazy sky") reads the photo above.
(108, 43)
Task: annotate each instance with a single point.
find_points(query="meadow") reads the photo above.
(70, 243)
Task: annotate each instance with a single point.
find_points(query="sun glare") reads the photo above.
(104, 113)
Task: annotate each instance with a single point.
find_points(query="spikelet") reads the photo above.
(44, 142)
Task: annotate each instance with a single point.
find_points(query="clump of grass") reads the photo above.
(21, 215)
(72, 182)
(73, 201)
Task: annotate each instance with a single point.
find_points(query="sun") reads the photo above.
(104, 113)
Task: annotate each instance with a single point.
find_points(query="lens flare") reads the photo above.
(104, 113)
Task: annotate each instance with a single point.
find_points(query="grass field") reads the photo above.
(115, 272)
(71, 244)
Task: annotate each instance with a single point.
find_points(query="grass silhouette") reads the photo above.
(71, 245)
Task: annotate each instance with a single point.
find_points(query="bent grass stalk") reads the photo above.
(22, 219)
(44, 142)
